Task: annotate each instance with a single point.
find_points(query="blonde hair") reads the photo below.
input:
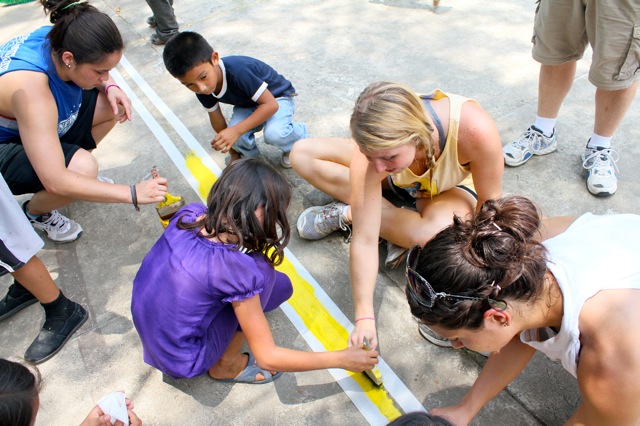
(388, 115)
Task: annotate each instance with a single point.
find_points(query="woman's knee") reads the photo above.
(84, 163)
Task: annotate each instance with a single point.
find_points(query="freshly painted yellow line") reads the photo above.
(331, 334)
(203, 175)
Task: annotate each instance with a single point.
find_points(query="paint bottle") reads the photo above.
(169, 206)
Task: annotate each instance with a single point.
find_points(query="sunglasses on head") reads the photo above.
(423, 294)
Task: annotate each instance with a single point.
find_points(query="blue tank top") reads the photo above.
(33, 53)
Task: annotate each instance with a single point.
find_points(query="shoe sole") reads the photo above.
(58, 241)
(18, 309)
(437, 342)
(64, 342)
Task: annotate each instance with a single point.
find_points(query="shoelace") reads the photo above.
(601, 158)
(329, 212)
(56, 220)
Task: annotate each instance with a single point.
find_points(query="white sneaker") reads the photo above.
(532, 142)
(319, 221)
(58, 228)
(600, 164)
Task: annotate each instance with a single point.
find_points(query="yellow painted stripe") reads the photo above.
(202, 173)
(331, 334)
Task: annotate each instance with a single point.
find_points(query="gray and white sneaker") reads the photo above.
(433, 337)
(532, 142)
(601, 168)
(58, 228)
(319, 221)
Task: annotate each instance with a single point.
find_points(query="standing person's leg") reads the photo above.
(164, 21)
(281, 131)
(612, 27)
(559, 41)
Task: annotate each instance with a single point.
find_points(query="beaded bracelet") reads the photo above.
(365, 318)
(134, 197)
(106, 89)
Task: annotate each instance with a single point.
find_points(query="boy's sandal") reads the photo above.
(248, 375)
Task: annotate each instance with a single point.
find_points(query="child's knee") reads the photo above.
(277, 135)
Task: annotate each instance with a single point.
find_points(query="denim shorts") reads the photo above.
(563, 28)
(16, 168)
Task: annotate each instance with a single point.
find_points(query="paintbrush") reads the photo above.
(374, 374)
(169, 206)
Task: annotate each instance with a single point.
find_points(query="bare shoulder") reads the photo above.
(20, 86)
(478, 136)
(609, 363)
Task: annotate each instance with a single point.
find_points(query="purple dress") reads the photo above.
(182, 294)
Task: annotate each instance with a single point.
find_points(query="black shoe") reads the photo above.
(151, 22)
(10, 305)
(159, 40)
(54, 334)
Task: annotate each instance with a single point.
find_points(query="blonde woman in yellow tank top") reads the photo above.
(429, 153)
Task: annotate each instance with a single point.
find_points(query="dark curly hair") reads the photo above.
(243, 187)
(496, 246)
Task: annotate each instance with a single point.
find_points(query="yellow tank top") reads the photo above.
(447, 172)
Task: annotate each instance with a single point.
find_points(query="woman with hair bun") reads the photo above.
(440, 152)
(57, 102)
(489, 284)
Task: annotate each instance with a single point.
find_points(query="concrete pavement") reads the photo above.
(330, 50)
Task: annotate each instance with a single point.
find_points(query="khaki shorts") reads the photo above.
(563, 28)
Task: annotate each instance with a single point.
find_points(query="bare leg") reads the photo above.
(82, 163)
(324, 163)
(35, 277)
(432, 216)
(232, 362)
(553, 85)
(611, 106)
(103, 118)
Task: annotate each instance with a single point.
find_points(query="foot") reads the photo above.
(54, 334)
(395, 255)
(251, 373)
(433, 337)
(10, 305)
(285, 161)
(151, 22)
(532, 142)
(58, 228)
(317, 222)
(601, 168)
(160, 40)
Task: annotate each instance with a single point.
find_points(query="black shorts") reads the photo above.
(16, 167)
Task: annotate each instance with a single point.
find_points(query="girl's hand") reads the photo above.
(152, 190)
(117, 97)
(455, 414)
(359, 359)
(364, 327)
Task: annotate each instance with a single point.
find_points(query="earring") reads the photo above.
(504, 324)
(68, 65)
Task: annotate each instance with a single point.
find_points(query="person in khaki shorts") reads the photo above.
(562, 30)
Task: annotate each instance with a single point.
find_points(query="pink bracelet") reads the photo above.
(106, 89)
(365, 318)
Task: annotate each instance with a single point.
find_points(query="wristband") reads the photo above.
(365, 318)
(134, 197)
(106, 89)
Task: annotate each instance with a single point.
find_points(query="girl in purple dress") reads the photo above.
(205, 285)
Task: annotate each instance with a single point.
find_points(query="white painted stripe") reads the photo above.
(394, 386)
(175, 122)
(157, 131)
